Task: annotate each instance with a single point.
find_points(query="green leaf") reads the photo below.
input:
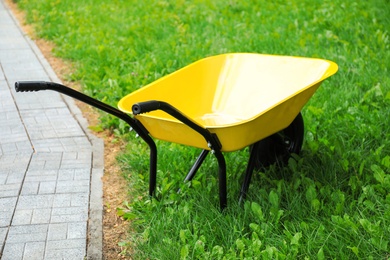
(361, 167)
(316, 205)
(380, 243)
(371, 228)
(386, 161)
(199, 247)
(184, 251)
(315, 110)
(311, 194)
(345, 164)
(240, 244)
(354, 249)
(295, 239)
(320, 254)
(379, 174)
(387, 96)
(122, 243)
(256, 209)
(129, 215)
(278, 215)
(274, 199)
(254, 227)
(96, 128)
(217, 252)
(183, 236)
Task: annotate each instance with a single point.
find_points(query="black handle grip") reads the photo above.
(146, 106)
(24, 86)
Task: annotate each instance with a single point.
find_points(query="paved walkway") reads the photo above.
(50, 166)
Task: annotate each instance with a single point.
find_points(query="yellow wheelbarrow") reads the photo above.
(220, 104)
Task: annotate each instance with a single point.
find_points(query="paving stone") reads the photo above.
(66, 231)
(15, 176)
(22, 217)
(70, 144)
(2, 78)
(58, 231)
(30, 188)
(19, 58)
(41, 175)
(47, 187)
(79, 200)
(7, 104)
(21, 147)
(13, 251)
(41, 100)
(13, 134)
(9, 190)
(35, 202)
(41, 216)
(34, 250)
(27, 233)
(74, 174)
(70, 200)
(21, 64)
(77, 230)
(3, 234)
(77, 186)
(10, 112)
(51, 123)
(11, 42)
(62, 200)
(69, 214)
(66, 244)
(83, 160)
(6, 210)
(7, 26)
(45, 161)
(24, 74)
(10, 182)
(14, 162)
(66, 254)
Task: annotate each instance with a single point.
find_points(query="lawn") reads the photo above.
(332, 201)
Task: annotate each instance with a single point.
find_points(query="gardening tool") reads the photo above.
(220, 104)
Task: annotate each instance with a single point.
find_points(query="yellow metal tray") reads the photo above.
(241, 97)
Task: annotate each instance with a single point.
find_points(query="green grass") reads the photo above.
(331, 202)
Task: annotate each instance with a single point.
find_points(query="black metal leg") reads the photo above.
(153, 168)
(248, 173)
(196, 166)
(222, 179)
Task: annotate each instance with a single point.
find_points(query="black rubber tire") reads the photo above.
(278, 147)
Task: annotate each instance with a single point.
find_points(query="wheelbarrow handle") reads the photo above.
(23, 86)
(147, 106)
(29, 86)
(151, 105)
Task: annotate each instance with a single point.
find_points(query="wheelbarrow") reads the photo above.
(220, 104)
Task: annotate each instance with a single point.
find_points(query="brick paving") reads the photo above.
(47, 162)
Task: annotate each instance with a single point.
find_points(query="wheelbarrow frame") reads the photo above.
(209, 133)
(211, 139)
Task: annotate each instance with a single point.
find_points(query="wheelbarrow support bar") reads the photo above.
(28, 86)
(148, 106)
(212, 140)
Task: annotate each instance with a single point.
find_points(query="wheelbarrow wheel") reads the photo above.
(278, 147)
